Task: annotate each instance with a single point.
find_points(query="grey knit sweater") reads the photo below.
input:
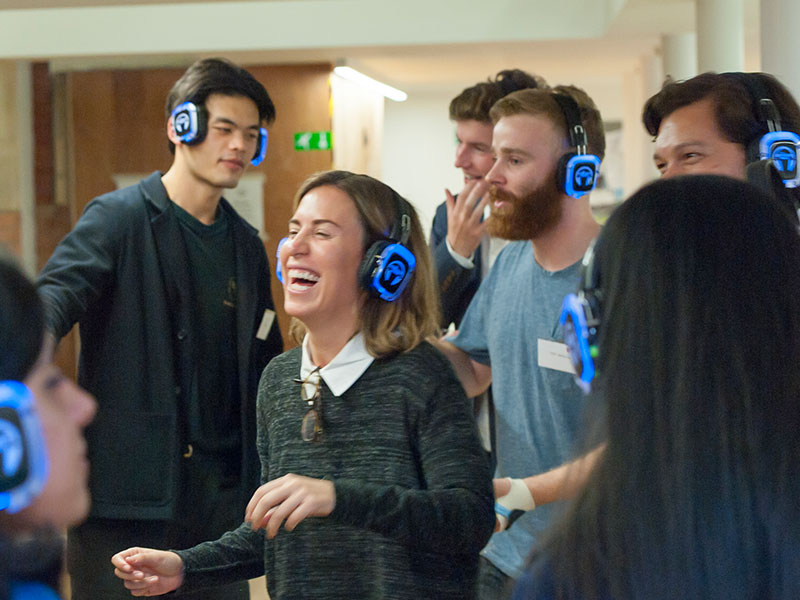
(414, 502)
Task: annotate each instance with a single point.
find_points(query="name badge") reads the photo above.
(554, 355)
(266, 324)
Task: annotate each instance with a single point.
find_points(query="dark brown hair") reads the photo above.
(474, 102)
(734, 104)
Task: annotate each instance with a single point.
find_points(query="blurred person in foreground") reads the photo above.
(690, 323)
(44, 470)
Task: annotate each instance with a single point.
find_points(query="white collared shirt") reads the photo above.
(345, 368)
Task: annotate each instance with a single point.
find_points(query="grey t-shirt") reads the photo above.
(538, 410)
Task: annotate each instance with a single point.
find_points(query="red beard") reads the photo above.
(525, 217)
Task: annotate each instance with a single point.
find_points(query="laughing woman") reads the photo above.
(375, 484)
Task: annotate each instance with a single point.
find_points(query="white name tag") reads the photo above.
(554, 355)
(266, 324)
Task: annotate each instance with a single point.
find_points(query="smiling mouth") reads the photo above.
(302, 279)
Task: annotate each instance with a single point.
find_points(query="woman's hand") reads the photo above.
(291, 498)
(148, 572)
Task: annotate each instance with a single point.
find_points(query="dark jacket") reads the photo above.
(122, 273)
(457, 285)
(33, 561)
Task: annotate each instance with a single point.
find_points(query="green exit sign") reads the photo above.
(312, 140)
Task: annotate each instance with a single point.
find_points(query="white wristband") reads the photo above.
(518, 498)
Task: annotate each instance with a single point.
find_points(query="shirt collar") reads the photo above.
(345, 368)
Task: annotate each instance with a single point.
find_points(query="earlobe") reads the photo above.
(171, 135)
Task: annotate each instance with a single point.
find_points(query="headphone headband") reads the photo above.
(572, 115)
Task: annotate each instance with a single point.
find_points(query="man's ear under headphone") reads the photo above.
(580, 321)
(577, 172)
(23, 457)
(190, 123)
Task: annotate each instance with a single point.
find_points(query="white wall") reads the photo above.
(419, 149)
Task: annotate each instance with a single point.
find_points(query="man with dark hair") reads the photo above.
(458, 229)
(714, 124)
(170, 287)
(510, 335)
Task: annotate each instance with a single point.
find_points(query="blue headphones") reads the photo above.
(190, 123)
(777, 145)
(388, 265)
(580, 321)
(278, 267)
(577, 171)
(23, 457)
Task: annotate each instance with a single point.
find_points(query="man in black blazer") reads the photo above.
(462, 251)
(170, 288)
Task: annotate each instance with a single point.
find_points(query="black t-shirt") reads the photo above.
(214, 420)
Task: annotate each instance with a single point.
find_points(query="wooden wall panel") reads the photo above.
(10, 229)
(302, 103)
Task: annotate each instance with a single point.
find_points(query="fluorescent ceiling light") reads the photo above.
(368, 82)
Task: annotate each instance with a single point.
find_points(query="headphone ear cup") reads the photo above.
(261, 147)
(387, 269)
(578, 173)
(23, 456)
(190, 123)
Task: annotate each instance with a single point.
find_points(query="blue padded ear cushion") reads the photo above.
(368, 265)
(561, 171)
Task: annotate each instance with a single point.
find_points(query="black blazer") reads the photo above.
(122, 274)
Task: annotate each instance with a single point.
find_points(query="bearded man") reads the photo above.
(510, 336)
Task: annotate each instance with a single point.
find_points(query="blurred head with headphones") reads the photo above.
(685, 326)
(43, 463)
(356, 259)
(548, 145)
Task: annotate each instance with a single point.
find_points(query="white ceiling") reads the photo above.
(414, 44)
